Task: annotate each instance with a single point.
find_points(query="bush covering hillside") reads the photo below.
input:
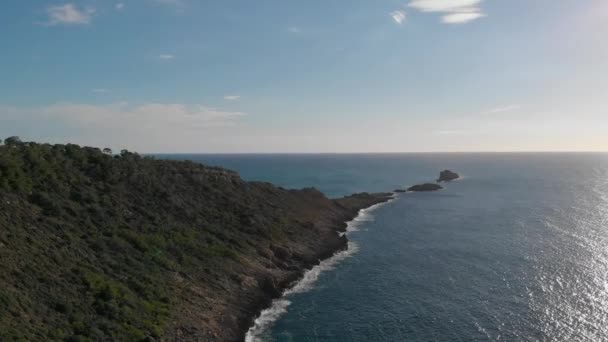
(95, 246)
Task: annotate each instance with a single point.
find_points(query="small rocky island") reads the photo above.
(447, 176)
(426, 187)
(444, 176)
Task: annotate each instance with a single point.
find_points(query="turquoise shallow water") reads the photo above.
(517, 250)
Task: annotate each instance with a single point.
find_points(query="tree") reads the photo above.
(12, 141)
(107, 150)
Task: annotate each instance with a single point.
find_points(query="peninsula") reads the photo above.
(97, 246)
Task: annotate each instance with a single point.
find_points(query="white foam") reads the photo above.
(260, 330)
(266, 320)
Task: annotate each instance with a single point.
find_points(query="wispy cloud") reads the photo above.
(294, 29)
(232, 97)
(461, 18)
(140, 124)
(157, 114)
(69, 14)
(450, 132)
(503, 109)
(454, 11)
(398, 16)
(166, 57)
(443, 5)
(100, 90)
(119, 6)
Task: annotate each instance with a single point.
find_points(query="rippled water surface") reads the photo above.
(517, 250)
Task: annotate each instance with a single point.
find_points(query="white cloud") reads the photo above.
(454, 11)
(398, 16)
(504, 109)
(166, 57)
(232, 97)
(294, 29)
(100, 90)
(443, 5)
(460, 18)
(69, 14)
(119, 6)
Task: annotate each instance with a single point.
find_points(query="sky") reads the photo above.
(249, 76)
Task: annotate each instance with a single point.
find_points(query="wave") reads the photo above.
(260, 330)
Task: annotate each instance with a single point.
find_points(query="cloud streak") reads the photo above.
(504, 109)
(460, 18)
(185, 116)
(69, 14)
(453, 11)
(449, 132)
(232, 97)
(443, 5)
(141, 126)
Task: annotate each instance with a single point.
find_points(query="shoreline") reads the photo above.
(277, 306)
(201, 251)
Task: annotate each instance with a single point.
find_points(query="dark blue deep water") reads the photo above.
(516, 251)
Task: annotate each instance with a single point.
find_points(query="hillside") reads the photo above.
(96, 247)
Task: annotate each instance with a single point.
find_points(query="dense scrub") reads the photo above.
(95, 246)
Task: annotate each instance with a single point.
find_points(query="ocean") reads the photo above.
(517, 250)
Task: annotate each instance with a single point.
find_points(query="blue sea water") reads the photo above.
(515, 251)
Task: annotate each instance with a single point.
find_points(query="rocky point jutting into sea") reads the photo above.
(96, 246)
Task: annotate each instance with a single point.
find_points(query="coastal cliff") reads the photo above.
(95, 246)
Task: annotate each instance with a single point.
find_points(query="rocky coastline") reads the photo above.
(329, 245)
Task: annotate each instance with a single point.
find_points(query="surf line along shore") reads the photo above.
(278, 306)
(260, 328)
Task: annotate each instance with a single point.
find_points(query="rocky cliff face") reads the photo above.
(100, 247)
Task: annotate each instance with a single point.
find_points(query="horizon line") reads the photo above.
(363, 153)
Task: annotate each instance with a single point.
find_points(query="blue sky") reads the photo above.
(307, 76)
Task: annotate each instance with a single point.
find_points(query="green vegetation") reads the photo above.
(87, 239)
(95, 246)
